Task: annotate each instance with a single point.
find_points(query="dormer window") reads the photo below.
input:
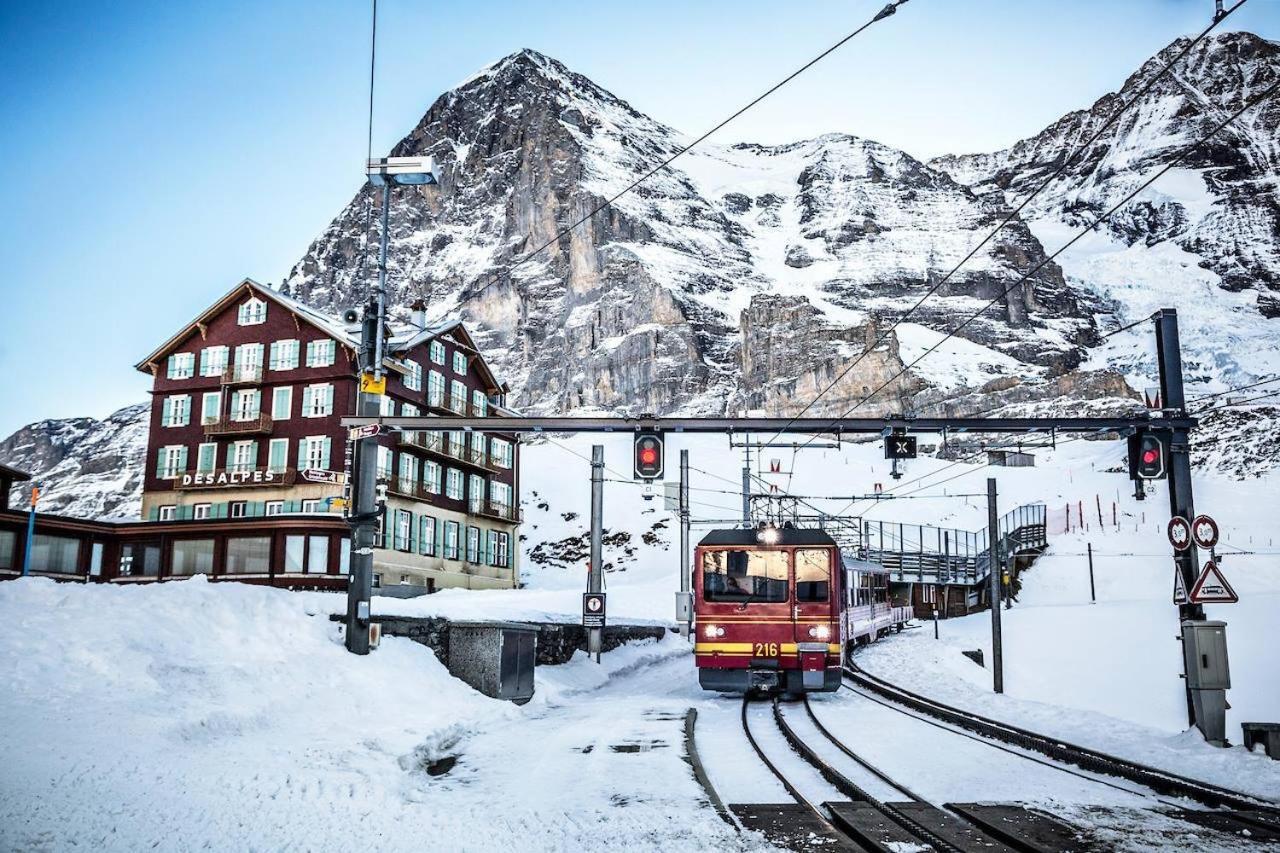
(253, 312)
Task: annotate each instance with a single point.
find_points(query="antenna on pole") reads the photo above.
(1218, 11)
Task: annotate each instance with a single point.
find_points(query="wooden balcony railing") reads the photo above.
(259, 424)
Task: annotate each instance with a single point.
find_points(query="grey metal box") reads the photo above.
(1204, 650)
(496, 658)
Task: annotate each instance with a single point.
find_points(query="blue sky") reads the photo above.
(154, 153)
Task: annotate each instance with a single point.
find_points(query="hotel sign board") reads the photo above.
(238, 479)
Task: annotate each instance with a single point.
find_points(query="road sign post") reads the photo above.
(595, 576)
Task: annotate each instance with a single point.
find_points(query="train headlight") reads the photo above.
(820, 632)
(713, 631)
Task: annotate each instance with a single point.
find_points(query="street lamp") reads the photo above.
(384, 172)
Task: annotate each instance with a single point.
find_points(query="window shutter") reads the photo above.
(186, 410)
(166, 411)
(302, 454)
(256, 408)
(160, 462)
(328, 399)
(253, 454)
(307, 394)
(324, 453)
(231, 454)
(182, 459)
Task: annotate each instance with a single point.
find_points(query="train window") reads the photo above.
(744, 576)
(813, 574)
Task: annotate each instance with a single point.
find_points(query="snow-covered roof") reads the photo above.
(404, 337)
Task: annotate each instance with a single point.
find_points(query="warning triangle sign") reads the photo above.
(1179, 588)
(1212, 587)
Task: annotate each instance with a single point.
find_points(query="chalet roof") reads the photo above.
(13, 474)
(403, 337)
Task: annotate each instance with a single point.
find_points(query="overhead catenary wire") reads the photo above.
(1079, 150)
(1266, 93)
(885, 12)
(1236, 390)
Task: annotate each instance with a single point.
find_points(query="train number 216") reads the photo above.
(764, 650)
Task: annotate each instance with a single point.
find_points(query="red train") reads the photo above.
(776, 608)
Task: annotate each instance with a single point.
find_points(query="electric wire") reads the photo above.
(1079, 150)
(1203, 397)
(888, 10)
(1266, 93)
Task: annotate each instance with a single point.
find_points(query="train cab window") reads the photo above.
(813, 574)
(744, 576)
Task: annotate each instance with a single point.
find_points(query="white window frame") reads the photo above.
(215, 364)
(248, 367)
(274, 508)
(413, 380)
(402, 538)
(284, 354)
(321, 352)
(312, 506)
(174, 461)
(458, 396)
(459, 362)
(450, 527)
(182, 365)
(176, 410)
(437, 388)
(207, 416)
(271, 445)
(238, 509)
(314, 451)
(427, 544)
(285, 391)
(201, 510)
(453, 484)
(167, 513)
(435, 351)
(213, 456)
(500, 451)
(320, 397)
(431, 476)
(480, 403)
(249, 447)
(240, 412)
(252, 312)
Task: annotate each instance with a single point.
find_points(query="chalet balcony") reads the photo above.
(258, 425)
(493, 509)
(437, 445)
(451, 405)
(243, 374)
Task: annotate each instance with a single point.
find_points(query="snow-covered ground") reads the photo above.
(192, 714)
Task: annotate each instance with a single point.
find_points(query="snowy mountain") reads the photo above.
(740, 277)
(85, 467)
(1204, 238)
(746, 277)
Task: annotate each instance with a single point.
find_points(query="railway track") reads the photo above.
(1263, 813)
(863, 808)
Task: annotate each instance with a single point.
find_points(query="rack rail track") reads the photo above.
(1161, 781)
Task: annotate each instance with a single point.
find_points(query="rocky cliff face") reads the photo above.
(648, 305)
(85, 467)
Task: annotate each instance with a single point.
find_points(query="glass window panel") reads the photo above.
(293, 553)
(54, 554)
(318, 554)
(813, 574)
(744, 576)
(192, 557)
(248, 555)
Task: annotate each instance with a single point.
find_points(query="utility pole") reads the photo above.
(746, 485)
(993, 545)
(685, 609)
(31, 531)
(364, 515)
(1093, 594)
(1181, 499)
(595, 576)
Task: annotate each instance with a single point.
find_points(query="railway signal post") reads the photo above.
(684, 606)
(993, 579)
(595, 572)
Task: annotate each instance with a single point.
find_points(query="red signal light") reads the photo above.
(648, 456)
(1150, 456)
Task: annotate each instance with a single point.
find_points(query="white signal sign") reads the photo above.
(1204, 530)
(1179, 588)
(1179, 533)
(1212, 587)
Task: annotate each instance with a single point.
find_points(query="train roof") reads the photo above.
(786, 536)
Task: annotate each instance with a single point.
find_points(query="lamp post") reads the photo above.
(384, 172)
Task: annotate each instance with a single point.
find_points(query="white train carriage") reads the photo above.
(869, 611)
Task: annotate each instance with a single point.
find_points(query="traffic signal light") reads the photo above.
(648, 456)
(1146, 456)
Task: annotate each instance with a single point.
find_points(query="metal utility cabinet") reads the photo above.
(496, 658)
(1204, 650)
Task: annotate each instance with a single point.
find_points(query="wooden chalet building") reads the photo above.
(245, 427)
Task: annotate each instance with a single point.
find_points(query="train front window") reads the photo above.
(744, 576)
(813, 574)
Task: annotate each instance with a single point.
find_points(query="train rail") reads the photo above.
(1264, 812)
(880, 813)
